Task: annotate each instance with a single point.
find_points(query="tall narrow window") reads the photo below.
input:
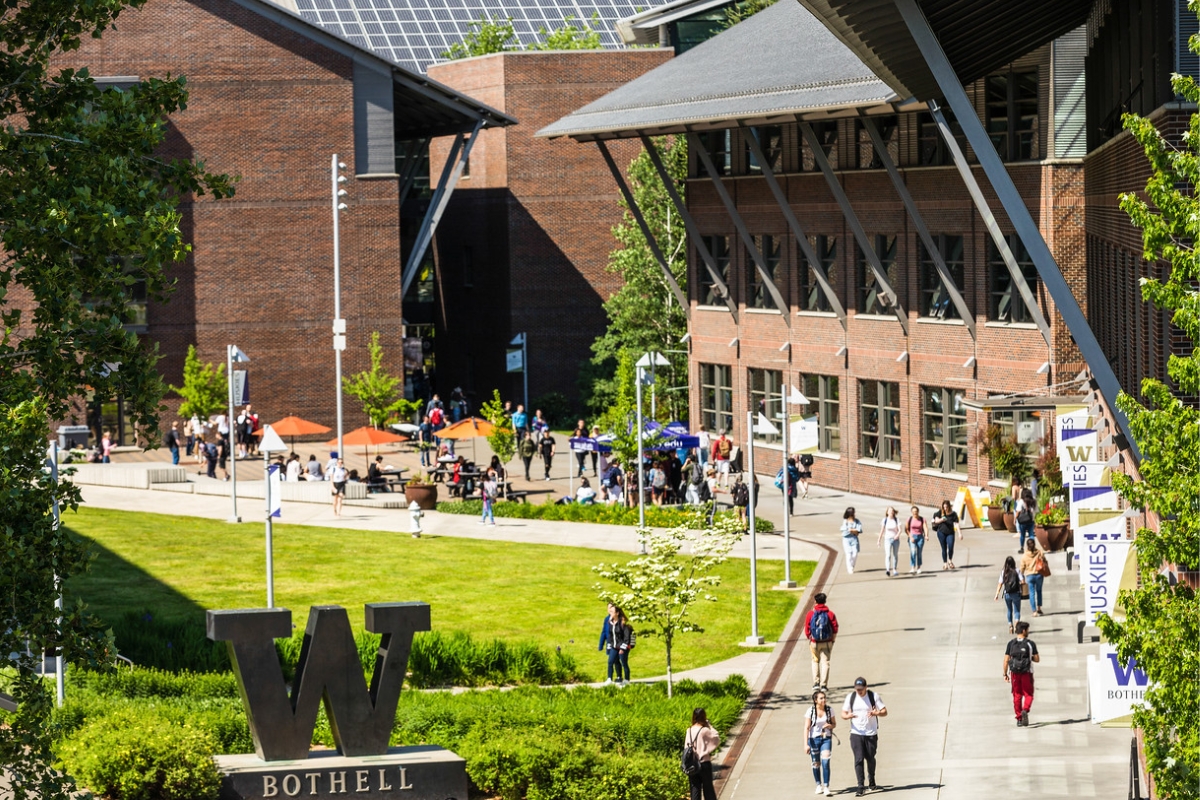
(1006, 303)
(944, 430)
(717, 145)
(812, 296)
(770, 139)
(879, 412)
(710, 292)
(771, 248)
(822, 394)
(889, 131)
(1012, 114)
(716, 396)
(935, 299)
(871, 297)
(766, 398)
(827, 135)
(932, 150)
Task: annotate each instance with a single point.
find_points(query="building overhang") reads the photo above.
(1039, 403)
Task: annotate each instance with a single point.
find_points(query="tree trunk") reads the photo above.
(670, 682)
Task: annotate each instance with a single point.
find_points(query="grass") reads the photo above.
(176, 567)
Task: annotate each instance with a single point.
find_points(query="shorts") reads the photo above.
(723, 467)
(339, 487)
(805, 474)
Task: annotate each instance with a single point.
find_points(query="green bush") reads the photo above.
(656, 516)
(457, 659)
(174, 644)
(137, 756)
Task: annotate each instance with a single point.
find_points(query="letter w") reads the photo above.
(329, 670)
(1079, 454)
(1123, 674)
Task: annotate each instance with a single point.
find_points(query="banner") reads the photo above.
(414, 353)
(1103, 563)
(802, 436)
(1072, 418)
(1114, 690)
(1079, 446)
(241, 387)
(514, 360)
(274, 491)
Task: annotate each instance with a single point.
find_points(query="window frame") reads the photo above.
(722, 157)
(889, 131)
(999, 275)
(823, 391)
(827, 134)
(766, 397)
(866, 280)
(938, 446)
(825, 247)
(931, 280)
(771, 142)
(1004, 116)
(720, 416)
(757, 295)
(931, 147)
(887, 447)
(707, 291)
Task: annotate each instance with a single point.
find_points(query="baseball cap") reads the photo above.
(860, 681)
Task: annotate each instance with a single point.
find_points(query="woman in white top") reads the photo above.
(704, 740)
(585, 494)
(851, 530)
(818, 743)
(889, 529)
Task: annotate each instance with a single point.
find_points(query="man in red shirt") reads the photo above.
(722, 450)
(820, 628)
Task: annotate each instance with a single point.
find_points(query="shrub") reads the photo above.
(132, 756)
(656, 516)
(174, 644)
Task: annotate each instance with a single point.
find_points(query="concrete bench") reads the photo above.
(127, 476)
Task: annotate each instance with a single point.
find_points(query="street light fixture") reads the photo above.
(653, 359)
(795, 399)
(232, 356)
(339, 324)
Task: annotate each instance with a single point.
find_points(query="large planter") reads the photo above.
(423, 494)
(1053, 538)
(1010, 523)
(995, 516)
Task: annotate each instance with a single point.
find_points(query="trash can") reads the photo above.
(71, 436)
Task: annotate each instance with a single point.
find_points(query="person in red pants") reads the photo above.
(1019, 658)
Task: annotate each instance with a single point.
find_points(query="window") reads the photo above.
(935, 299)
(766, 398)
(871, 297)
(710, 292)
(879, 410)
(716, 397)
(944, 430)
(771, 248)
(932, 150)
(812, 297)
(889, 131)
(1012, 114)
(770, 139)
(717, 145)
(1027, 425)
(827, 135)
(822, 394)
(1006, 304)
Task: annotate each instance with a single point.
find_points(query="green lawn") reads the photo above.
(175, 567)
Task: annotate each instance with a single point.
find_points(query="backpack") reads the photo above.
(697, 475)
(689, 762)
(820, 627)
(806, 460)
(1023, 660)
(779, 479)
(705, 493)
(741, 495)
(870, 699)
(1025, 515)
(435, 416)
(724, 447)
(1012, 582)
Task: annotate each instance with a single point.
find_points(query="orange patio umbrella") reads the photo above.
(292, 427)
(470, 428)
(368, 436)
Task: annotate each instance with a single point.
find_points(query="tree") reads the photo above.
(660, 588)
(88, 212)
(1161, 629)
(205, 390)
(377, 390)
(643, 314)
(571, 37)
(744, 10)
(502, 439)
(484, 37)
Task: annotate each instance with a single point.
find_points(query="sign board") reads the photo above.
(802, 436)
(1087, 498)
(1071, 418)
(414, 353)
(514, 360)
(1029, 431)
(1078, 447)
(241, 387)
(1114, 690)
(1103, 563)
(274, 491)
(967, 507)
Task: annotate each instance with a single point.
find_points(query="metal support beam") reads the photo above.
(689, 223)
(759, 262)
(1052, 278)
(460, 151)
(668, 276)
(798, 232)
(989, 221)
(864, 244)
(939, 263)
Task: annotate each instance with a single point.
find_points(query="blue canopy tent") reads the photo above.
(675, 437)
(587, 444)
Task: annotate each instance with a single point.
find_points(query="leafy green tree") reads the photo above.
(570, 36)
(744, 10)
(377, 390)
(205, 391)
(484, 37)
(88, 212)
(1161, 628)
(643, 314)
(658, 590)
(502, 439)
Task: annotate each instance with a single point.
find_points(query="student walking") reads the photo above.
(818, 739)
(546, 446)
(786, 480)
(805, 474)
(820, 628)
(620, 641)
(1010, 584)
(945, 522)
(917, 529)
(338, 475)
(851, 530)
(703, 740)
(863, 708)
(1019, 658)
(581, 432)
(741, 498)
(1034, 569)
(527, 450)
(488, 490)
(889, 537)
(1025, 508)
(171, 440)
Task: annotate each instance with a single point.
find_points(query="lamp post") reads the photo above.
(271, 443)
(59, 663)
(753, 638)
(795, 398)
(651, 360)
(232, 356)
(339, 324)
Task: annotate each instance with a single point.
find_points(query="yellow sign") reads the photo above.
(967, 505)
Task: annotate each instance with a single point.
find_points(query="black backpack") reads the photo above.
(1012, 582)
(741, 495)
(689, 762)
(1023, 660)
(1025, 515)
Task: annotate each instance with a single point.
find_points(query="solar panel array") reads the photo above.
(415, 33)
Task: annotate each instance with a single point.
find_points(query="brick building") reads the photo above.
(903, 340)
(272, 98)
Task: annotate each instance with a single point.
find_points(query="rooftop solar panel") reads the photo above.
(426, 31)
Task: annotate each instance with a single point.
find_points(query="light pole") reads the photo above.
(339, 324)
(647, 360)
(59, 662)
(232, 356)
(271, 443)
(753, 638)
(795, 398)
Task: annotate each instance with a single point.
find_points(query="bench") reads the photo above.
(517, 497)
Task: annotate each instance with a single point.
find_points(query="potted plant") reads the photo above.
(1007, 457)
(422, 491)
(995, 513)
(1051, 528)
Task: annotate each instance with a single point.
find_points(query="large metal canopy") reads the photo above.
(978, 36)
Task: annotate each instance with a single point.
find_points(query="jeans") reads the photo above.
(850, 545)
(488, 516)
(700, 785)
(915, 545)
(175, 455)
(191, 444)
(548, 461)
(528, 463)
(864, 748)
(1026, 532)
(891, 554)
(1012, 604)
(618, 659)
(426, 455)
(1022, 691)
(582, 459)
(947, 543)
(821, 748)
(1035, 591)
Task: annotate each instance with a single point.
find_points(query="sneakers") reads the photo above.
(861, 791)
(874, 787)
(918, 570)
(1019, 723)
(1025, 719)
(608, 682)
(820, 789)
(826, 791)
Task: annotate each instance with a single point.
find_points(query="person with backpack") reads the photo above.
(722, 452)
(741, 498)
(793, 476)
(820, 628)
(1025, 508)
(851, 530)
(527, 449)
(1019, 658)
(1010, 583)
(818, 739)
(488, 489)
(546, 446)
(699, 743)
(863, 708)
(805, 473)
(1035, 570)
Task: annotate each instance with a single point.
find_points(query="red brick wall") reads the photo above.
(270, 106)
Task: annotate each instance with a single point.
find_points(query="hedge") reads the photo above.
(656, 516)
